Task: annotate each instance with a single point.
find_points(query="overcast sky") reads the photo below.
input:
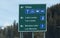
(9, 9)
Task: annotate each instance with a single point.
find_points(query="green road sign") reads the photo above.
(32, 18)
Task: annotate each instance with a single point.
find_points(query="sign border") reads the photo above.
(34, 31)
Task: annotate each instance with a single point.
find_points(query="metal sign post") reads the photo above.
(37, 36)
(21, 34)
(32, 34)
(44, 35)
